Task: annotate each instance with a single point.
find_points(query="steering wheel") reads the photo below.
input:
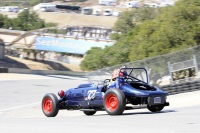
(128, 79)
(106, 81)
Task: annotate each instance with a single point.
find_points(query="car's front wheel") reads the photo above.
(114, 101)
(50, 105)
(155, 108)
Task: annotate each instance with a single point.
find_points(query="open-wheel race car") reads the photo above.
(113, 96)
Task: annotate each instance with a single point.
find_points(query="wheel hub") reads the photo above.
(47, 105)
(111, 102)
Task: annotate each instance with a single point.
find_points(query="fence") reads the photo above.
(157, 67)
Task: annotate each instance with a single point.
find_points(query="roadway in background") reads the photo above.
(20, 110)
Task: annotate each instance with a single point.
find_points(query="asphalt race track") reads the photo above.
(20, 111)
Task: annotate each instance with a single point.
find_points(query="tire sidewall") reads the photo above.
(155, 108)
(55, 105)
(121, 101)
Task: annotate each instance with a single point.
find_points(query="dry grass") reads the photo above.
(72, 19)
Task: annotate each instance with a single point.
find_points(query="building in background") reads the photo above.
(87, 10)
(107, 12)
(9, 9)
(45, 7)
(132, 4)
(108, 2)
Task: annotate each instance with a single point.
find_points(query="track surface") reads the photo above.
(20, 111)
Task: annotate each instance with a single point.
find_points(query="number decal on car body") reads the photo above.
(91, 94)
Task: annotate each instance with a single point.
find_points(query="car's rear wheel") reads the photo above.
(50, 105)
(114, 101)
(155, 108)
(89, 112)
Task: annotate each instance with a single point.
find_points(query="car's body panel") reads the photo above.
(89, 95)
(136, 92)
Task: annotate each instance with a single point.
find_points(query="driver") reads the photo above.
(117, 78)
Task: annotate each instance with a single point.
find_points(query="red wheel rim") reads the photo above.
(111, 102)
(47, 105)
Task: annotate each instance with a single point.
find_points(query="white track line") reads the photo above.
(12, 108)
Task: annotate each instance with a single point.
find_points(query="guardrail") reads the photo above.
(172, 89)
(3, 70)
(41, 72)
(182, 87)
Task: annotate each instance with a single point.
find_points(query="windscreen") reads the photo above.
(100, 75)
(137, 73)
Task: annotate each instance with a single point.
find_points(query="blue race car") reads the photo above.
(113, 96)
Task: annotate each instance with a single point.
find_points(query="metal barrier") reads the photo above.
(157, 67)
(3, 70)
(182, 87)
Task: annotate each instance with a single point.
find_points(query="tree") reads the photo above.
(146, 13)
(27, 20)
(2, 19)
(5, 22)
(124, 23)
(93, 59)
(173, 28)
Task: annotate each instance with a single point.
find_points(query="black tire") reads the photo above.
(89, 112)
(114, 101)
(155, 108)
(50, 105)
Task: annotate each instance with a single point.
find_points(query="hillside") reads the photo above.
(72, 19)
(65, 19)
(15, 62)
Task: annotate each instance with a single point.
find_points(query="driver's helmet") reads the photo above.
(115, 74)
(119, 73)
